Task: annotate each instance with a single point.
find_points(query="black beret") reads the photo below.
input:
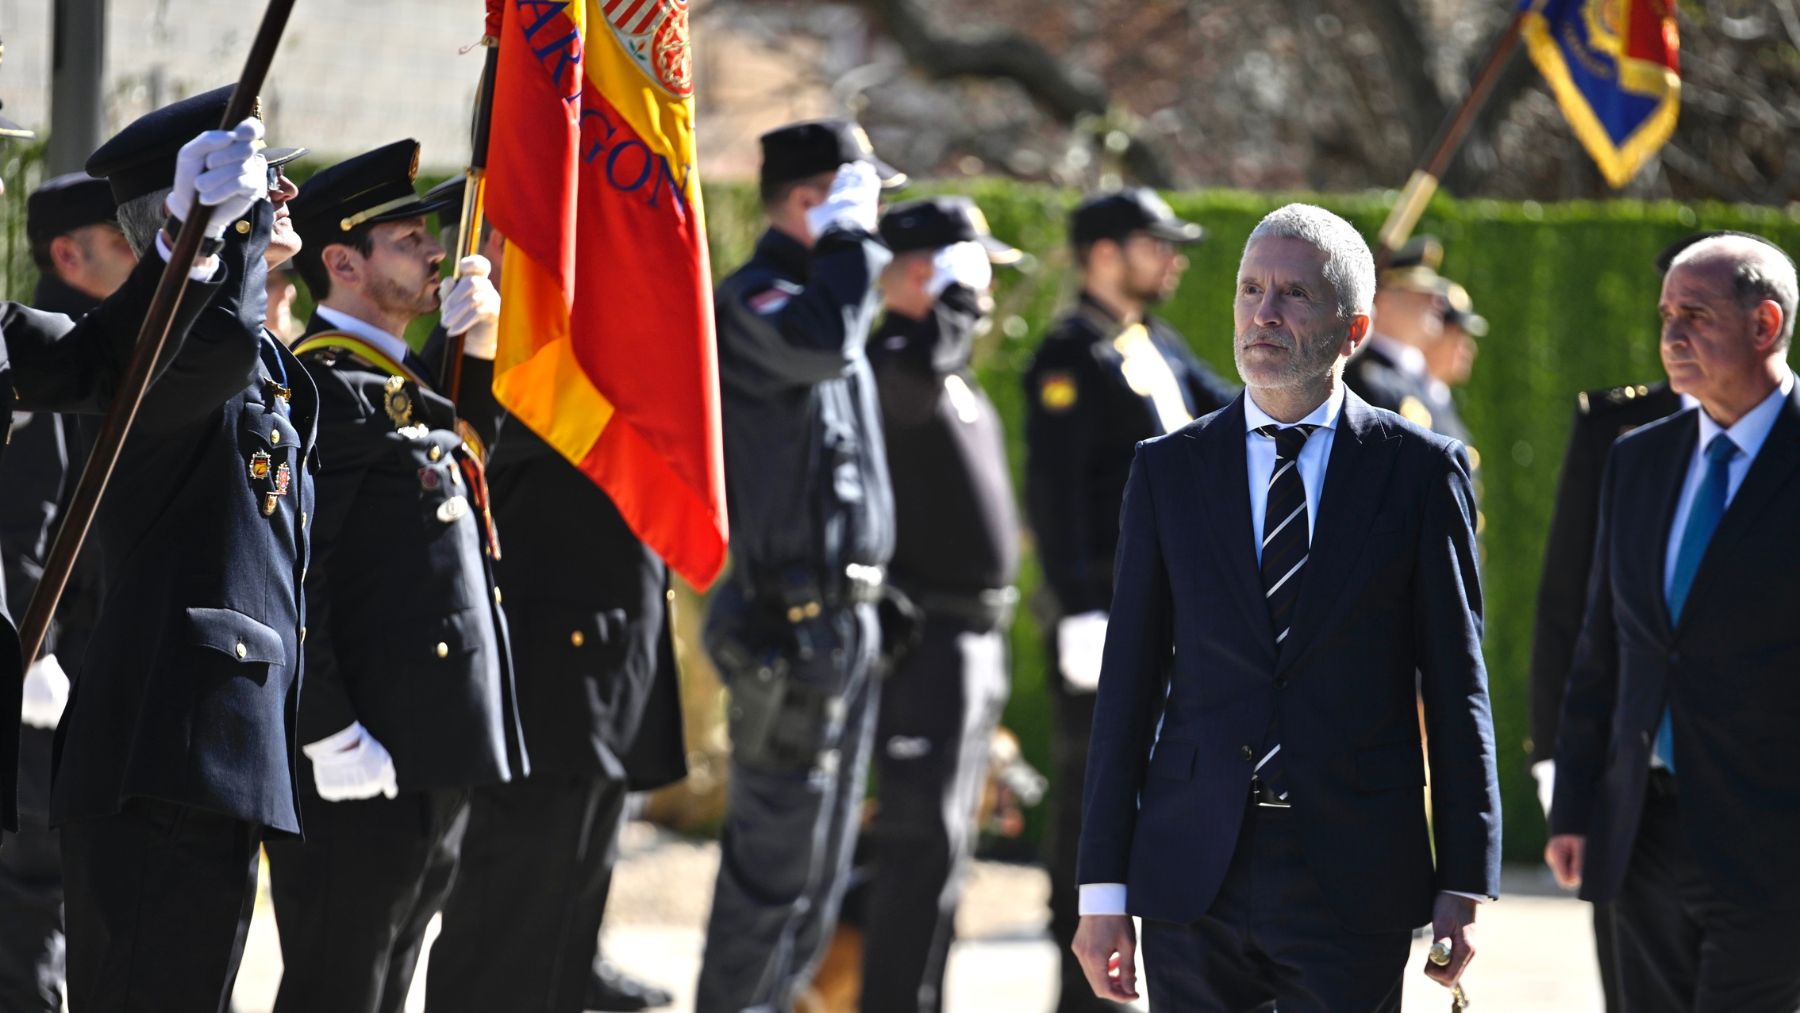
(801, 150)
(933, 223)
(62, 204)
(1119, 213)
(375, 186)
(140, 159)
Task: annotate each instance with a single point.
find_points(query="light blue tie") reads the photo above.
(1702, 521)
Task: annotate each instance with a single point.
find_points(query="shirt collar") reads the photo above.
(387, 344)
(1406, 358)
(1749, 432)
(1323, 417)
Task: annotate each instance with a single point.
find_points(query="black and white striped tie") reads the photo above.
(1285, 536)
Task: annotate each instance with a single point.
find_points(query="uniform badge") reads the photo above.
(429, 478)
(282, 477)
(398, 404)
(1413, 410)
(1057, 393)
(259, 466)
(769, 302)
(270, 502)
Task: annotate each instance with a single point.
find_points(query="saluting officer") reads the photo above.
(409, 700)
(794, 629)
(599, 695)
(82, 258)
(175, 753)
(1108, 375)
(956, 556)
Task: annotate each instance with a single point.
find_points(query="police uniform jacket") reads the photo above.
(1601, 416)
(407, 634)
(1377, 378)
(805, 467)
(190, 685)
(958, 531)
(1083, 422)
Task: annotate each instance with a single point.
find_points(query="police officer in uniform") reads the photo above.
(793, 629)
(956, 557)
(599, 696)
(174, 756)
(409, 701)
(1108, 375)
(1390, 370)
(82, 258)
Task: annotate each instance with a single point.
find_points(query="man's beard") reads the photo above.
(1305, 354)
(393, 297)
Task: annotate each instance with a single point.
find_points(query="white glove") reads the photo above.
(351, 765)
(852, 200)
(1080, 642)
(470, 306)
(1545, 773)
(46, 693)
(964, 264)
(227, 169)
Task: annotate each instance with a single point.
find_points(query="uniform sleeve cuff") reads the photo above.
(203, 269)
(1102, 899)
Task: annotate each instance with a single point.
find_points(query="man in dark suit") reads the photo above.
(174, 758)
(1255, 784)
(1676, 761)
(1108, 374)
(409, 692)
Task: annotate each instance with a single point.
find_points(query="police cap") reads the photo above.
(1119, 213)
(375, 186)
(62, 204)
(802, 150)
(140, 159)
(933, 223)
(1459, 309)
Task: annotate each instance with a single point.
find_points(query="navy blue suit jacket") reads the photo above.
(1729, 671)
(1391, 601)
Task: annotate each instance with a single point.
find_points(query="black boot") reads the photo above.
(613, 991)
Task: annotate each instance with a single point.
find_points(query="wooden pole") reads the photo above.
(153, 338)
(468, 236)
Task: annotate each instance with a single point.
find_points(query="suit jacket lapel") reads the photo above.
(1358, 469)
(1224, 474)
(1675, 469)
(1774, 464)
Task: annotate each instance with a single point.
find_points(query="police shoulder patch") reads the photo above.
(1057, 391)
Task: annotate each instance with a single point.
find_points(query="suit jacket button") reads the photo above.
(242, 651)
(1247, 753)
(443, 649)
(577, 638)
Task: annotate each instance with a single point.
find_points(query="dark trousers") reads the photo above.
(1604, 957)
(523, 920)
(784, 854)
(32, 950)
(158, 899)
(1072, 724)
(353, 899)
(1271, 941)
(938, 713)
(1683, 949)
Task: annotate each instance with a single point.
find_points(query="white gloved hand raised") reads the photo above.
(964, 264)
(852, 201)
(470, 306)
(1080, 643)
(226, 170)
(351, 765)
(46, 693)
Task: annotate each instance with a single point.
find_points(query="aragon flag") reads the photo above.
(607, 348)
(1615, 68)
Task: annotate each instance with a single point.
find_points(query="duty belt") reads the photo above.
(988, 609)
(799, 601)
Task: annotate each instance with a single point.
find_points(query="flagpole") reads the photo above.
(153, 339)
(1417, 193)
(468, 236)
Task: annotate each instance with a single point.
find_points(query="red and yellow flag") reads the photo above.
(606, 333)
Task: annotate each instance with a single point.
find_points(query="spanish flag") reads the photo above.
(606, 333)
(1615, 68)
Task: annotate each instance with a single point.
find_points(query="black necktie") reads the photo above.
(1285, 537)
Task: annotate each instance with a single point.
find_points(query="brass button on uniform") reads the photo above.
(435, 452)
(577, 638)
(242, 651)
(303, 518)
(243, 227)
(303, 634)
(1247, 753)
(443, 649)
(496, 596)
(274, 436)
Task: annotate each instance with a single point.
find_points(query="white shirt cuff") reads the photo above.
(1478, 898)
(203, 269)
(1102, 899)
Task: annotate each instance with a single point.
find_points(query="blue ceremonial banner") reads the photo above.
(1615, 68)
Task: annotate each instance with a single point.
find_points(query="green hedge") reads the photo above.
(1571, 295)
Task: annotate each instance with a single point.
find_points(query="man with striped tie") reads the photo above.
(1287, 567)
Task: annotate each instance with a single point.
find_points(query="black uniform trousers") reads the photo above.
(158, 899)
(353, 899)
(932, 741)
(1271, 940)
(1680, 948)
(784, 853)
(519, 930)
(1072, 726)
(32, 947)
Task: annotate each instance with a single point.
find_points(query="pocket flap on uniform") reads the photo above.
(1392, 766)
(1173, 761)
(236, 635)
(452, 635)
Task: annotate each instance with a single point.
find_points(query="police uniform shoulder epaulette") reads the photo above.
(1602, 400)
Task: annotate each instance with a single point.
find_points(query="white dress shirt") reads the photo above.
(1259, 458)
(387, 344)
(1749, 434)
